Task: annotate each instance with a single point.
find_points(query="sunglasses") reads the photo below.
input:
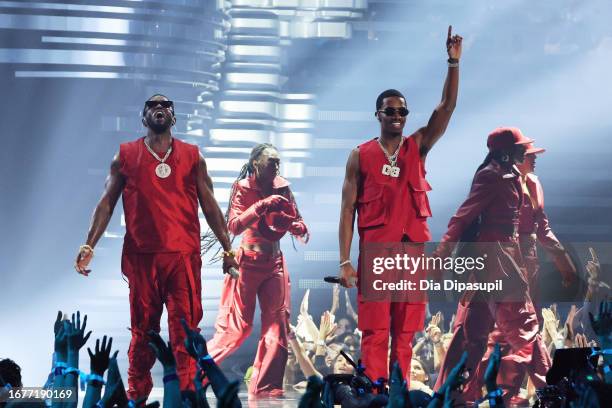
(163, 104)
(391, 111)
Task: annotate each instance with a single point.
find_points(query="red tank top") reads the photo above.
(390, 207)
(161, 215)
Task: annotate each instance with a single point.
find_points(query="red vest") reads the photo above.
(161, 215)
(390, 207)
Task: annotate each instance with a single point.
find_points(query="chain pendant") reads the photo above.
(392, 171)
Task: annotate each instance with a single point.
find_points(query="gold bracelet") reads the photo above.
(231, 253)
(87, 247)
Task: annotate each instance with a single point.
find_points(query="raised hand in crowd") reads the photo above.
(223, 390)
(602, 323)
(335, 299)
(305, 322)
(100, 359)
(550, 327)
(443, 397)
(200, 390)
(228, 397)
(350, 311)
(99, 362)
(163, 352)
(76, 338)
(568, 328)
(312, 396)
(490, 376)
(398, 391)
(114, 392)
(327, 328)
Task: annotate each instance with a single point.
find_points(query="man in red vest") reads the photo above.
(162, 179)
(385, 184)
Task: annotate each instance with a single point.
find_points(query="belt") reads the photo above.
(272, 248)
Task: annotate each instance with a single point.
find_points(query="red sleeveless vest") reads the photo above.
(161, 215)
(390, 207)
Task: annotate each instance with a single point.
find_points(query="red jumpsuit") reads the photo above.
(390, 209)
(262, 277)
(161, 255)
(496, 196)
(533, 228)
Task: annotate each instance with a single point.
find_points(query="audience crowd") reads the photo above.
(328, 351)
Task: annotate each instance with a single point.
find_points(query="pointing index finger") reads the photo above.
(450, 32)
(594, 255)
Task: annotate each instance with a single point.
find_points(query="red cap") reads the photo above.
(531, 149)
(505, 138)
(275, 224)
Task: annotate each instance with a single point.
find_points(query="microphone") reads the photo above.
(331, 279)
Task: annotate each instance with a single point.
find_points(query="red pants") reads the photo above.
(400, 320)
(473, 323)
(263, 277)
(512, 372)
(156, 279)
(378, 320)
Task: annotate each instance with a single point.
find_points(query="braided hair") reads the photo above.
(209, 240)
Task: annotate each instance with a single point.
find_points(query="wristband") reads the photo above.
(347, 262)
(71, 370)
(170, 377)
(230, 253)
(321, 343)
(94, 378)
(99, 404)
(59, 368)
(493, 396)
(207, 358)
(132, 404)
(607, 369)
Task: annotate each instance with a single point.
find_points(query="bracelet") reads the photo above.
(207, 358)
(59, 368)
(347, 262)
(71, 370)
(170, 377)
(94, 378)
(321, 343)
(87, 247)
(231, 253)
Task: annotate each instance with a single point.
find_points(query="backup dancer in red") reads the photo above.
(533, 228)
(263, 209)
(385, 185)
(161, 179)
(495, 199)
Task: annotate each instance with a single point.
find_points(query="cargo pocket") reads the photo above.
(419, 188)
(372, 211)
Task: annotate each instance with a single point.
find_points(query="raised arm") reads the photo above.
(347, 218)
(427, 136)
(101, 216)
